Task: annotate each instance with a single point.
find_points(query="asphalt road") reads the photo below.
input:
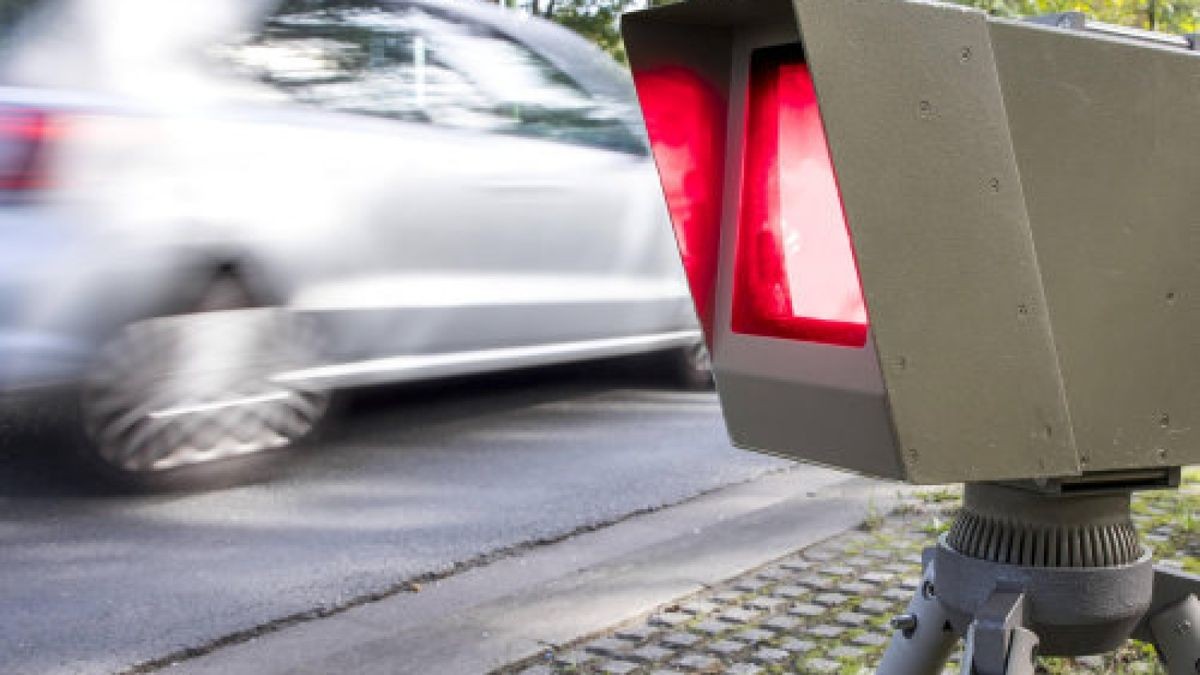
(411, 481)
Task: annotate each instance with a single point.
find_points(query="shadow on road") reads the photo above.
(36, 440)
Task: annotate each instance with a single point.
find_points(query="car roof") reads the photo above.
(594, 70)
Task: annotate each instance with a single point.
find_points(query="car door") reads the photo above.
(587, 246)
(473, 196)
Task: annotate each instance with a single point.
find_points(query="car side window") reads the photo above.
(543, 101)
(411, 64)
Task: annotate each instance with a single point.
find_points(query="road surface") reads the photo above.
(411, 482)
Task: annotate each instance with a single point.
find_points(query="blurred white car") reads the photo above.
(214, 211)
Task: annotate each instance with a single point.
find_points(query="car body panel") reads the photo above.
(460, 250)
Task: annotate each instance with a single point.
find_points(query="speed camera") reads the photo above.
(932, 245)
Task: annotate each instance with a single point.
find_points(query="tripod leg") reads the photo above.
(1000, 644)
(921, 643)
(1019, 659)
(1176, 633)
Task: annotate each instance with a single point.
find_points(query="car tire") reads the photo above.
(690, 367)
(196, 399)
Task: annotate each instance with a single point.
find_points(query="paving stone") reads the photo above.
(663, 671)
(753, 635)
(750, 585)
(910, 583)
(826, 631)
(796, 565)
(806, 609)
(744, 669)
(726, 647)
(854, 588)
(845, 652)
(835, 570)
(575, 657)
(876, 607)
(670, 619)
(651, 654)
(829, 599)
(618, 667)
(914, 558)
(639, 633)
(870, 640)
(815, 582)
(781, 624)
(608, 646)
(769, 655)
(680, 640)
(1095, 661)
(898, 568)
(539, 669)
(797, 646)
(898, 594)
(820, 555)
(877, 578)
(699, 607)
(774, 574)
(766, 603)
(852, 619)
(860, 561)
(820, 666)
(697, 662)
(878, 553)
(789, 591)
(737, 615)
(711, 627)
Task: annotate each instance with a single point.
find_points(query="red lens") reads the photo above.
(685, 121)
(796, 277)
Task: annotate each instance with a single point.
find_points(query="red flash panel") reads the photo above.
(796, 277)
(685, 120)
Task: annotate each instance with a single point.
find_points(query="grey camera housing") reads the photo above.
(1024, 207)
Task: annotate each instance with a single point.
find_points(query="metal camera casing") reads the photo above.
(1023, 205)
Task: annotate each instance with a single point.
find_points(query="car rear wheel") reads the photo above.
(188, 399)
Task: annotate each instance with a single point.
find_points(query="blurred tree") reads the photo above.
(597, 20)
(1173, 16)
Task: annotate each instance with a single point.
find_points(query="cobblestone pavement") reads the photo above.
(826, 609)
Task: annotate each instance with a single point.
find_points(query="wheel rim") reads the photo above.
(196, 388)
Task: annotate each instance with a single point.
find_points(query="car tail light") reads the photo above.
(795, 277)
(25, 136)
(685, 121)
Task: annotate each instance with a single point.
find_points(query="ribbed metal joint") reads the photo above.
(1002, 525)
(1034, 545)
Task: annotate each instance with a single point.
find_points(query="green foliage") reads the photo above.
(593, 19)
(1172, 16)
(597, 20)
